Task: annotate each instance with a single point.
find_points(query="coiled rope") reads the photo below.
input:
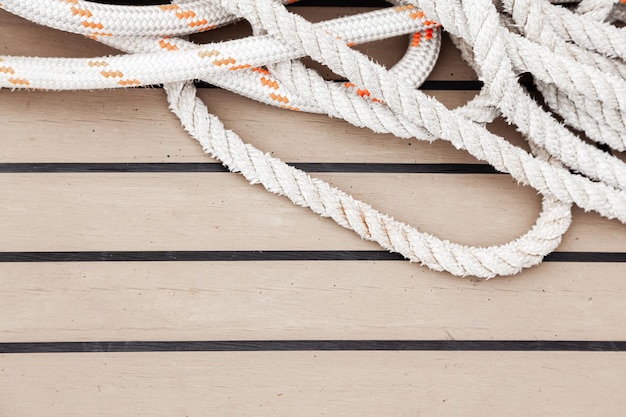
(576, 56)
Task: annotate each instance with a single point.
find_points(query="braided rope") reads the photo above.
(265, 67)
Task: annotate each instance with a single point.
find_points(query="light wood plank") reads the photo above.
(136, 126)
(314, 384)
(305, 300)
(221, 211)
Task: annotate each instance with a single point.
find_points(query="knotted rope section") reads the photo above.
(575, 55)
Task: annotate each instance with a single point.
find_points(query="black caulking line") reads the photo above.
(261, 256)
(315, 346)
(182, 167)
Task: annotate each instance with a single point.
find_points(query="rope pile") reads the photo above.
(576, 55)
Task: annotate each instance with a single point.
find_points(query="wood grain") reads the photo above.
(221, 211)
(314, 384)
(305, 300)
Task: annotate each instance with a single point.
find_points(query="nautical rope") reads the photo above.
(577, 59)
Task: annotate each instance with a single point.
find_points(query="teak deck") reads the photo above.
(117, 228)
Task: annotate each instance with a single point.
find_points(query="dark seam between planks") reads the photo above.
(314, 345)
(270, 255)
(447, 85)
(172, 167)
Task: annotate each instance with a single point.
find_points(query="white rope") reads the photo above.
(580, 75)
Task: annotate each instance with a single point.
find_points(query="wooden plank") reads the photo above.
(305, 300)
(314, 383)
(86, 126)
(212, 211)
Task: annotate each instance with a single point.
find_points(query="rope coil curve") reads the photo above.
(576, 56)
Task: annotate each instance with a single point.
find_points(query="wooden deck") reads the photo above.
(117, 228)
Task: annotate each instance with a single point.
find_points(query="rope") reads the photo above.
(575, 56)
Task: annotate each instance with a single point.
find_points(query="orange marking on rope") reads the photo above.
(129, 82)
(7, 70)
(404, 8)
(429, 34)
(81, 12)
(208, 54)
(261, 70)
(290, 108)
(19, 81)
(167, 45)
(94, 36)
(93, 25)
(112, 74)
(270, 83)
(198, 23)
(417, 15)
(98, 64)
(167, 7)
(279, 98)
(430, 23)
(417, 38)
(363, 92)
(185, 14)
(348, 85)
(240, 67)
(225, 61)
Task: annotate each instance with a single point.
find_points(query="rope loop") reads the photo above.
(576, 56)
